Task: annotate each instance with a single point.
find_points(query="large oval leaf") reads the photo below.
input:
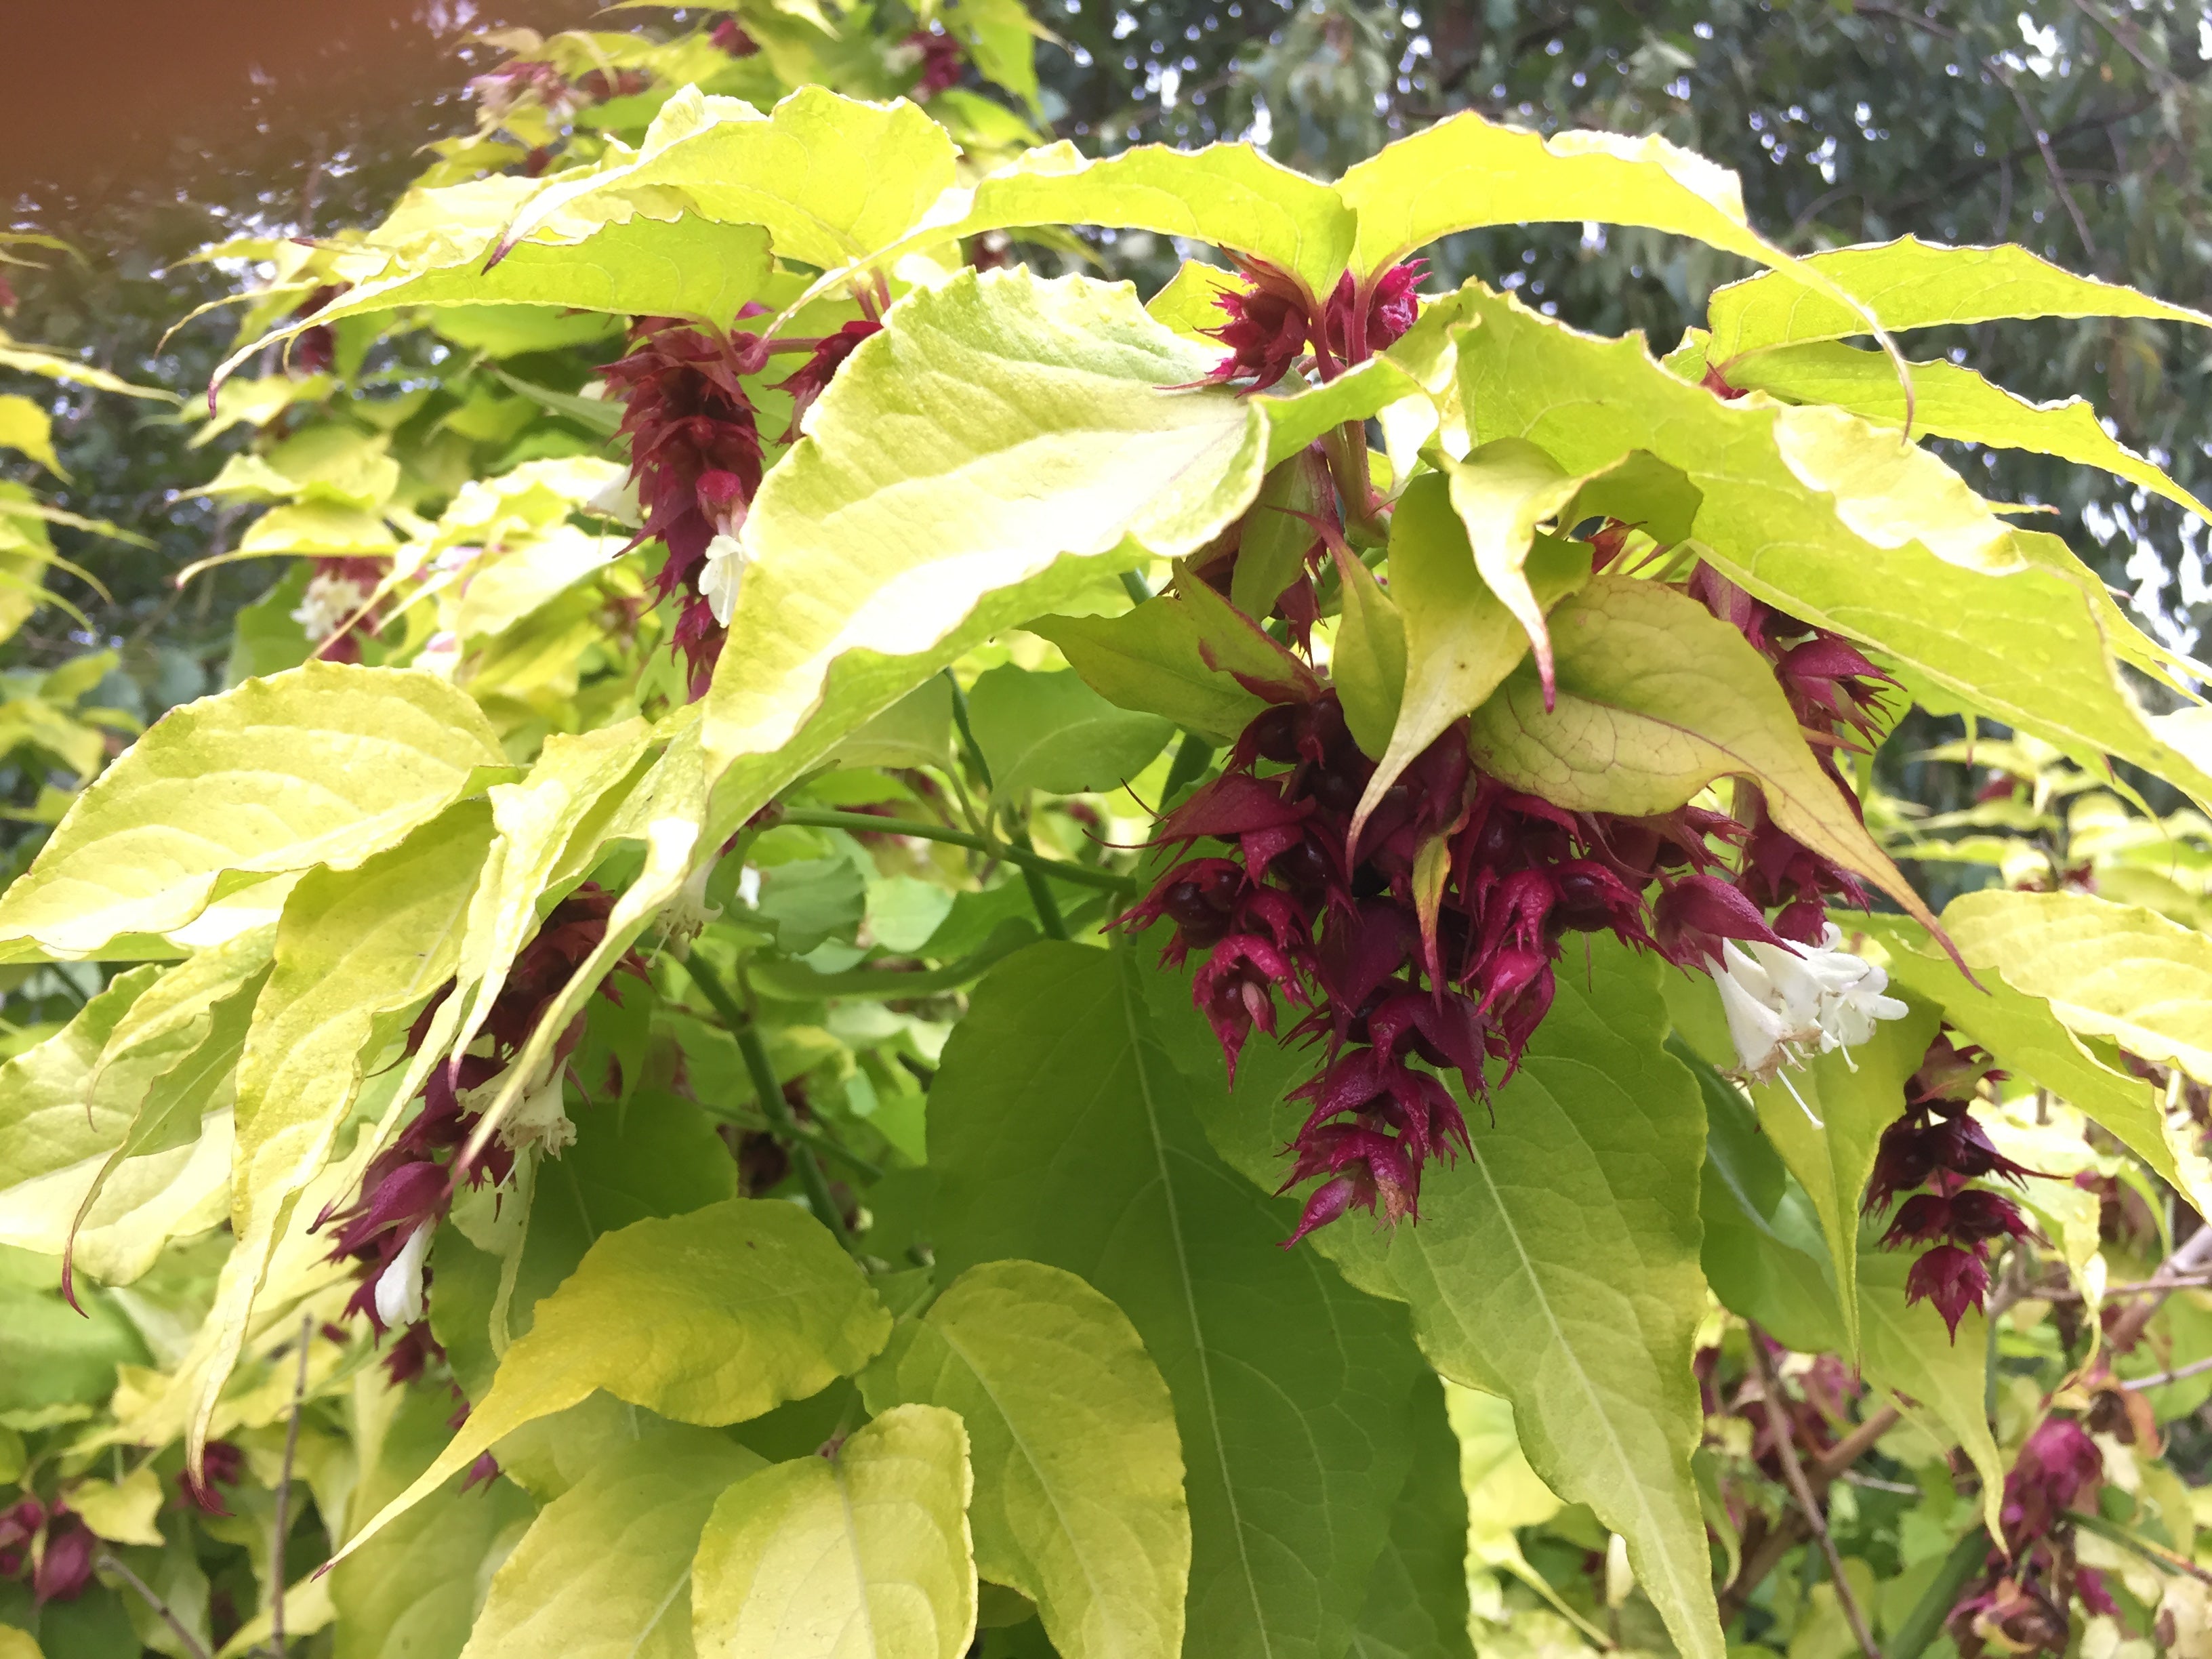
(324, 764)
(1079, 1474)
(861, 1553)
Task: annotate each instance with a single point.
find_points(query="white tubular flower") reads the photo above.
(1785, 1004)
(399, 1287)
(540, 1119)
(689, 913)
(718, 579)
(327, 604)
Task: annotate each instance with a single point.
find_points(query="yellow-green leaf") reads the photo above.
(26, 426)
(605, 1572)
(2107, 970)
(1079, 1499)
(2027, 1038)
(1951, 401)
(1832, 520)
(1461, 642)
(830, 177)
(711, 1317)
(1657, 698)
(997, 424)
(322, 765)
(357, 952)
(861, 1554)
(1909, 284)
(1149, 658)
(1826, 1133)
(1367, 660)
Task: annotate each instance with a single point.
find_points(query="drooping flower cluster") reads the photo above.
(409, 1188)
(1434, 940)
(1935, 1151)
(2022, 1604)
(696, 457)
(334, 611)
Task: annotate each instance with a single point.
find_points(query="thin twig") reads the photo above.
(109, 1563)
(1028, 861)
(1785, 1445)
(1854, 1445)
(2161, 1378)
(281, 1525)
(2190, 1260)
(2004, 78)
(2142, 1547)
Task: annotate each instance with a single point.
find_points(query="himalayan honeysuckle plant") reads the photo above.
(950, 961)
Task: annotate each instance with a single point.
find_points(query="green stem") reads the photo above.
(806, 1131)
(1925, 1622)
(1047, 906)
(774, 1106)
(1021, 857)
(1134, 585)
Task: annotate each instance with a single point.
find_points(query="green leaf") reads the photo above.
(564, 799)
(1052, 732)
(1417, 1598)
(1272, 543)
(322, 765)
(1078, 1501)
(1461, 641)
(1190, 304)
(831, 179)
(711, 1317)
(1558, 1266)
(1764, 1254)
(1907, 1349)
(1658, 697)
(605, 1572)
(48, 1117)
(2107, 970)
(1153, 659)
(357, 952)
(996, 424)
(1834, 521)
(1466, 171)
(1502, 492)
(915, 731)
(1909, 284)
(861, 1554)
(1061, 1131)
(2026, 1038)
(1826, 1133)
(416, 1589)
(1367, 660)
(1229, 195)
(26, 426)
(1951, 401)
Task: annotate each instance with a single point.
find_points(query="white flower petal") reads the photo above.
(399, 1287)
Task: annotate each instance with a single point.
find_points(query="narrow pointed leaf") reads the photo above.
(1462, 641)
(1909, 284)
(1854, 1100)
(2107, 970)
(1367, 662)
(1951, 401)
(2026, 1038)
(861, 1554)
